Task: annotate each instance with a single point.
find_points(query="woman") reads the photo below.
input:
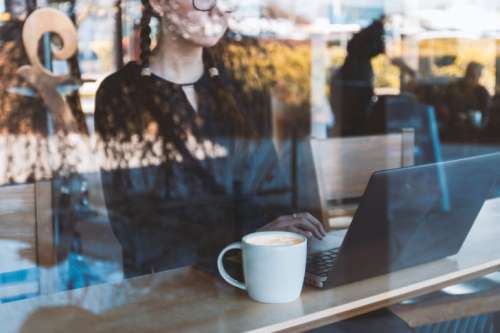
(214, 176)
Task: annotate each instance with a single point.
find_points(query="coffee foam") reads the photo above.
(274, 240)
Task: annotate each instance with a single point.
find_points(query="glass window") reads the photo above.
(140, 138)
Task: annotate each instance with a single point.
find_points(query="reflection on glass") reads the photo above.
(199, 139)
(217, 176)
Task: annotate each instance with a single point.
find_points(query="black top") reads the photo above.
(178, 182)
(461, 99)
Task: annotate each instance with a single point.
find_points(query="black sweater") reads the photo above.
(180, 184)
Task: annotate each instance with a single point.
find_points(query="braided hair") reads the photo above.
(147, 15)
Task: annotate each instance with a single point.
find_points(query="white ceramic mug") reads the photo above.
(273, 269)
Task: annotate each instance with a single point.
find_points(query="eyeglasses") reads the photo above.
(228, 6)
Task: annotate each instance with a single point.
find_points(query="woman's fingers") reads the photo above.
(306, 225)
(303, 223)
(312, 221)
(315, 222)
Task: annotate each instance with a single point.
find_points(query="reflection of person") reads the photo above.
(213, 178)
(352, 88)
(467, 102)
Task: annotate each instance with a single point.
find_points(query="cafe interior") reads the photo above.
(250, 166)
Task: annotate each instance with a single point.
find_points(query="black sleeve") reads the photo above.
(124, 207)
(155, 231)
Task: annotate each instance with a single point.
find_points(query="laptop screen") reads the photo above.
(415, 215)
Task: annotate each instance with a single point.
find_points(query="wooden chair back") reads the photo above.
(27, 235)
(18, 226)
(18, 265)
(343, 166)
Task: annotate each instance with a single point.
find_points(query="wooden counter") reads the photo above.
(441, 307)
(187, 300)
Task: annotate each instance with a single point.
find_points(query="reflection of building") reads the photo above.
(355, 11)
(249, 8)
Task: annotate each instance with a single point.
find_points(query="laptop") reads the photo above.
(408, 217)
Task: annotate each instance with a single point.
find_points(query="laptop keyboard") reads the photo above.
(319, 264)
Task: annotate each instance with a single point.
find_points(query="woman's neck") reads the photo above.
(177, 60)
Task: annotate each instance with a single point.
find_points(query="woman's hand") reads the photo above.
(302, 223)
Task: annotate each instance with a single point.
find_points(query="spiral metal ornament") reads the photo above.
(40, 22)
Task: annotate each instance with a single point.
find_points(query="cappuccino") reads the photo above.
(274, 240)
(274, 265)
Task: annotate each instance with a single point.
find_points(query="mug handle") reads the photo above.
(222, 271)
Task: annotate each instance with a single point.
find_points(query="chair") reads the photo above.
(17, 225)
(343, 167)
(27, 241)
(23, 237)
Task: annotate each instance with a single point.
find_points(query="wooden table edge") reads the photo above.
(376, 302)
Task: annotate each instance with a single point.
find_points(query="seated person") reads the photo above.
(465, 97)
(188, 172)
